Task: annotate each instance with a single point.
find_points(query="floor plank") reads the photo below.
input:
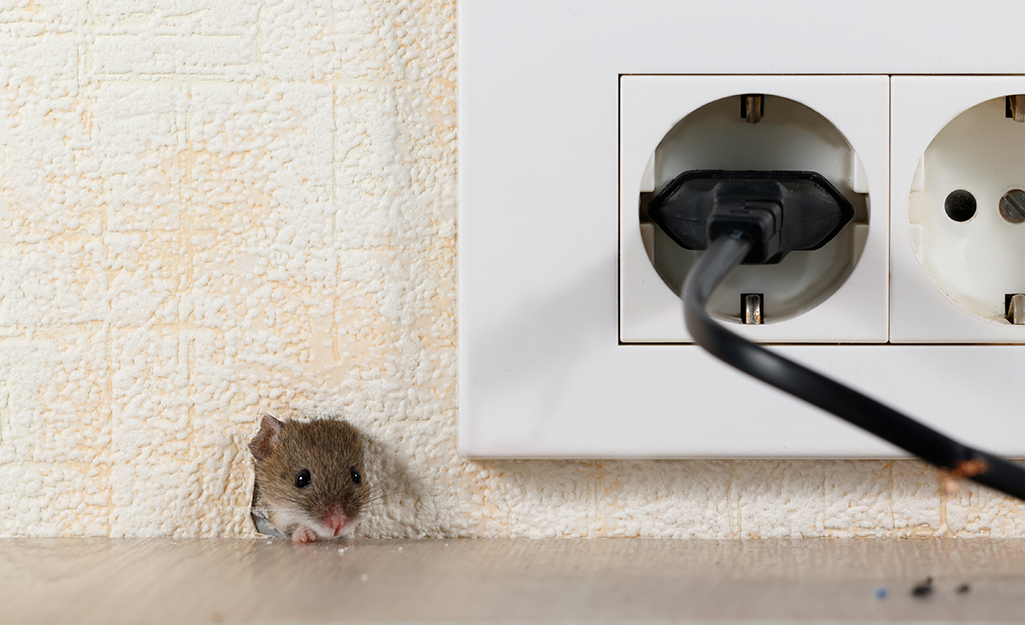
(509, 581)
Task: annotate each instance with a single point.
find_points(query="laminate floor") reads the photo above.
(510, 581)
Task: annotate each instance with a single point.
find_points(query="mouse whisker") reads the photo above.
(376, 494)
(370, 498)
(390, 475)
(374, 500)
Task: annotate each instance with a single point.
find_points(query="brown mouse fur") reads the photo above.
(310, 479)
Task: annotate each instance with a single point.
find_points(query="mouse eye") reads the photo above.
(356, 477)
(303, 479)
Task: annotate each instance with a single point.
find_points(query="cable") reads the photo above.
(723, 254)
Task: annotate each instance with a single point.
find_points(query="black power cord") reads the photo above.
(746, 217)
(721, 257)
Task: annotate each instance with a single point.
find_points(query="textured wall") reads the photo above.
(213, 209)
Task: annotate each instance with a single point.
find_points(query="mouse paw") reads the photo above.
(303, 535)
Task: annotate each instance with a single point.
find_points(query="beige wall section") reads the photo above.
(213, 209)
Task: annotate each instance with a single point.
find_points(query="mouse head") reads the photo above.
(311, 474)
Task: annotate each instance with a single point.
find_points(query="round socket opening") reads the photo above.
(976, 262)
(760, 133)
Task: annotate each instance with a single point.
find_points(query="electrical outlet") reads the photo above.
(552, 258)
(952, 276)
(834, 125)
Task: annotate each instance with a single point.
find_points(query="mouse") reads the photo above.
(310, 482)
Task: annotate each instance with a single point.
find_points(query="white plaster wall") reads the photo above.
(211, 209)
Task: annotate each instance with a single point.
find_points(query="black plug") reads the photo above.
(778, 211)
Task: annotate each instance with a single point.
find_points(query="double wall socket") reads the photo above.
(951, 281)
(571, 336)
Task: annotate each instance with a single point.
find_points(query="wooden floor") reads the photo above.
(510, 581)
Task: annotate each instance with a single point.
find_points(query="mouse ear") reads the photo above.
(266, 439)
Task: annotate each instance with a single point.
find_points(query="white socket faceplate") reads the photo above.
(542, 371)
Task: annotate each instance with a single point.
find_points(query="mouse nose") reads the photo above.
(336, 522)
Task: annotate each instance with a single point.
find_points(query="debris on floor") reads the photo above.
(923, 589)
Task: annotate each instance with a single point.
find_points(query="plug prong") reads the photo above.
(752, 305)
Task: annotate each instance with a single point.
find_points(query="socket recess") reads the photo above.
(835, 125)
(953, 145)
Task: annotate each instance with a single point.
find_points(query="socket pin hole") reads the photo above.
(960, 205)
(1012, 206)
